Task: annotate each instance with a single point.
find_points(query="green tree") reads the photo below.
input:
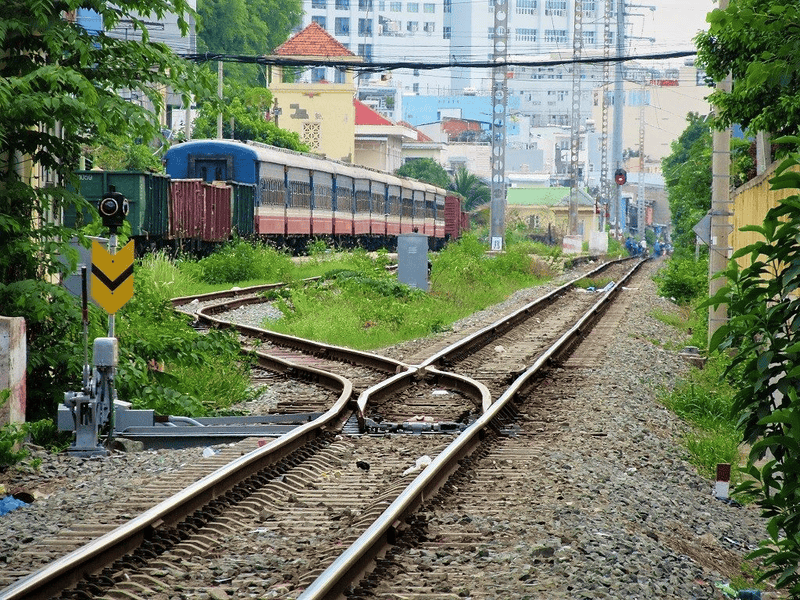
(764, 329)
(687, 174)
(57, 92)
(120, 153)
(427, 170)
(245, 27)
(247, 106)
(756, 41)
(472, 187)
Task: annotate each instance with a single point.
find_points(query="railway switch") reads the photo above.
(91, 408)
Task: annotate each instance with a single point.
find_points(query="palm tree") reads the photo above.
(473, 188)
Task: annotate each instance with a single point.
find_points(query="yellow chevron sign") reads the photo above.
(112, 276)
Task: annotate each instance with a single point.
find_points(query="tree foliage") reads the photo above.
(758, 43)
(245, 27)
(427, 170)
(247, 107)
(57, 92)
(687, 174)
(472, 187)
(764, 329)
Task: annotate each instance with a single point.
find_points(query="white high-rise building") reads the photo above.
(450, 31)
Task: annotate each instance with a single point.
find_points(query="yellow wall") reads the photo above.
(750, 205)
(322, 114)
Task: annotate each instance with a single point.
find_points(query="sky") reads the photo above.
(673, 24)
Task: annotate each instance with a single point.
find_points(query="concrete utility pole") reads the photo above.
(499, 105)
(619, 109)
(640, 200)
(721, 214)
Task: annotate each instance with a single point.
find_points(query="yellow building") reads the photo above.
(320, 112)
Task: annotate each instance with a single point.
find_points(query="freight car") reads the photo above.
(302, 196)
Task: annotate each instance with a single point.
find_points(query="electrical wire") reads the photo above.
(376, 66)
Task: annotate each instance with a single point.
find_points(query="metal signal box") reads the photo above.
(412, 260)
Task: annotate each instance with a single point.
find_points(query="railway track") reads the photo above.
(314, 477)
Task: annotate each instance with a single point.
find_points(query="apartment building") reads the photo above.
(443, 31)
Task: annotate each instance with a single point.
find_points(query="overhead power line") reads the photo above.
(373, 66)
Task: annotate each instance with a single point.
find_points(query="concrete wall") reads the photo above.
(13, 364)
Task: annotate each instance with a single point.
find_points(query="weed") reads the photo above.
(705, 399)
(597, 283)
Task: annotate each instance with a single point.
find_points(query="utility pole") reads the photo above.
(721, 214)
(575, 117)
(219, 93)
(605, 178)
(619, 109)
(499, 105)
(640, 206)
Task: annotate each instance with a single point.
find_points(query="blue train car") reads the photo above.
(213, 160)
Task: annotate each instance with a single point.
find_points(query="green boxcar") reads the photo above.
(147, 194)
(243, 208)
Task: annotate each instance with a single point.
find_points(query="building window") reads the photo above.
(448, 6)
(317, 74)
(429, 7)
(319, 3)
(526, 7)
(589, 6)
(365, 51)
(415, 88)
(319, 20)
(365, 27)
(526, 35)
(412, 26)
(413, 7)
(556, 8)
(446, 33)
(342, 26)
(342, 4)
(558, 36)
(588, 38)
(429, 27)
(340, 76)
(396, 6)
(416, 72)
(490, 32)
(364, 4)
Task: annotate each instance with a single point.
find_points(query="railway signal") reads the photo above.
(620, 177)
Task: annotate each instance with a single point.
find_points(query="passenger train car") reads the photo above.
(301, 196)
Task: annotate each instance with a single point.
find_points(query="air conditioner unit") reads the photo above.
(393, 26)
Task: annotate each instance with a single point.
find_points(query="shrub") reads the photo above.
(683, 279)
(241, 261)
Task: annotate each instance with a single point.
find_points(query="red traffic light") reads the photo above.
(620, 176)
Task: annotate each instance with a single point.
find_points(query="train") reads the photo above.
(216, 189)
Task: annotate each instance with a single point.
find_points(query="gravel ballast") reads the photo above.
(646, 524)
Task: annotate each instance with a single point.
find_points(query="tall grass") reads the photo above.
(704, 399)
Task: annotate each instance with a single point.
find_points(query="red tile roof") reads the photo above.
(421, 137)
(312, 41)
(366, 116)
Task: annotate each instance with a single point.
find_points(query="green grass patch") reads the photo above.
(704, 399)
(358, 303)
(597, 283)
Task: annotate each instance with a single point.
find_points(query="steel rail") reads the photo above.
(356, 559)
(479, 337)
(91, 558)
(319, 349)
